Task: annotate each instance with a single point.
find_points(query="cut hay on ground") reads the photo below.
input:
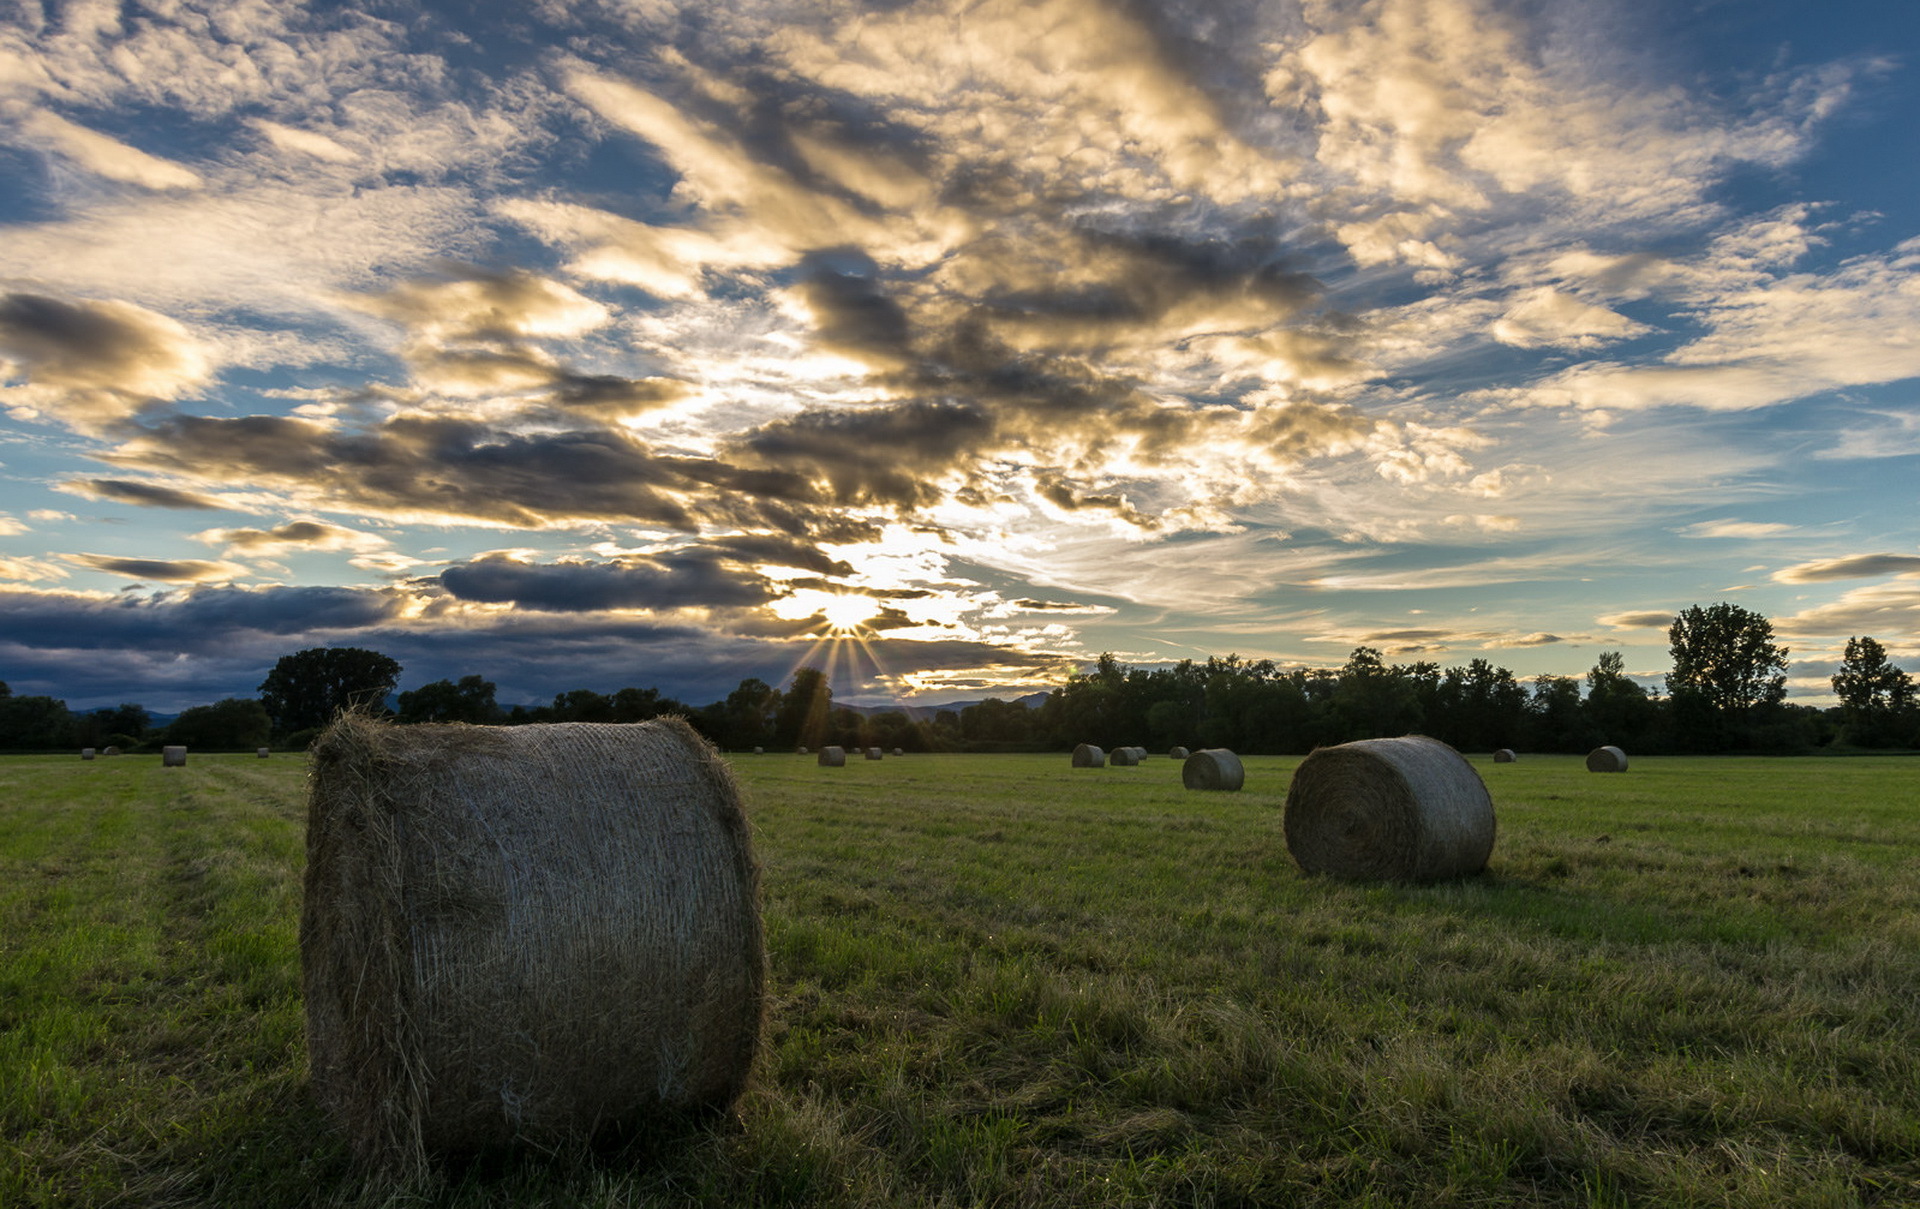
(1088, 756)
(1606, 759)
(531, 934)
(1408, 809)
(1504, 756)
(833, 757)
(1178, 753)
(1213, 768)
(173, 757)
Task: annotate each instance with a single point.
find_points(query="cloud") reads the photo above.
(1734, 529)
(109, 157)
(1857, 566)
(150, 495)
(167, 570)
(89, 364)
(30, 570)
(1889, 612)
(688, 578)
(294, 536)
(1548, 317)
(1648, 619)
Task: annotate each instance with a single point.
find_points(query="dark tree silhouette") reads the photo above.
(308, 688)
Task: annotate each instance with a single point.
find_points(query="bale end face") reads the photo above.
(86, 753)
(531, 935)
(1409, 809)
(1178, 753)
(173, 757)
(1504, 756)
(1606, 759)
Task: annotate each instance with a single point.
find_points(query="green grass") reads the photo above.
(1003, 981)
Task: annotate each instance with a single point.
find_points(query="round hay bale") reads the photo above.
(1504, 756)
(833, 757)
(759, 751)
(1213, 768)
(899, 751)
(87, 753)
(874, 753)
(1088, 756)
(1606, 759)
(1408, 809)
(264, 752)
(110, 751)
(1123, 757)
(1178, 753)
(799, 751)
(173, 756)
(530, 934)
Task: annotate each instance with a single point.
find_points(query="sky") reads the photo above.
(946, 344)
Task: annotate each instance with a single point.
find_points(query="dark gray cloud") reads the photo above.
(151, 495)
(191, 620)
(694, 577)
(94, 363)
(166, 570)
(883, 455)
(1858, 566)
(851, 310)
(294, 533)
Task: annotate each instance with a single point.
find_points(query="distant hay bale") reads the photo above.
(759, 751)
(173, 756)
(1213, 768)
(1504, 756)
(264, 752)
(800, 751)
(1124, 757)
(899, 752)
(874, 753)
(1178, 753)
(1409, 809)
(110, 751)
(833, 757)
(87, 753)
(1606, 759)
(1088, 756)
(531, 934)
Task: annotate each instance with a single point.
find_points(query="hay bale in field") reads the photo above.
(1123, 757)
(833, 757)
(1504, 756)
(1178, 753)
(899, 752)
(530, 934)
(1213, 768)
(173, 756)
(1409, 809)
(87, 753)
(264, 752)
(110, 750)
(1606, 759)
(799, 751)
(759, 751)
(874, 753)
(1088, 756)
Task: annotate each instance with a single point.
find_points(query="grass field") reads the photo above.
(1002, 981)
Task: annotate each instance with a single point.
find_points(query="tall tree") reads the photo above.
(471, 700)
(802, 716)
(1726, 670)
(308, 688)
(236, 724)
(1616, 705)
(1876, 698)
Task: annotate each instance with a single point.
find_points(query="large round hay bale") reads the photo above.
(1088, 756)
(1606, 759)
(173, 756)
(1178, 753)
(1213, 768)
(874, 753)
(533, 934)
(1408, 809)
(264, 753)
(833, 757)
(87, 753)
(1504, 756)
(1124, 757)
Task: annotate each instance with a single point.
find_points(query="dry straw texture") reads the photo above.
(833, 757)
(1178, 753)
(1606, 759)
(1503, 756)
(1407, 809)
(173, 757)
(1213, 768)
(1088, 756)
(534, 934)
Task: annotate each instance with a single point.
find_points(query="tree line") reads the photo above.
(1725, 692)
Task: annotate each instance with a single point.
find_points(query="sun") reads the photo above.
(844, 614)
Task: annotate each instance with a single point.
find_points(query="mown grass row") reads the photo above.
(1002, 981)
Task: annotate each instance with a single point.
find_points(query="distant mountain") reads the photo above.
(926, 713)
